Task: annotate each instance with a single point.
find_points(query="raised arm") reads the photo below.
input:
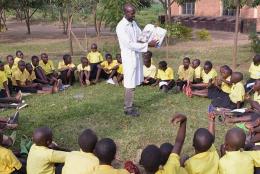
(181, 134)
(211, 127)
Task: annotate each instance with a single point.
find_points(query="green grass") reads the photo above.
(101, 107)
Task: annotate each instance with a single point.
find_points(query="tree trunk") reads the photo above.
(169, 11)
(69, 34)
(64, 26)
(27, 21)
(95, 19)
(234, 61)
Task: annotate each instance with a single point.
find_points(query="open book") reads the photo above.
(151, 32)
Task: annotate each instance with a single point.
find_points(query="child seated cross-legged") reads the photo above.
(165, 77)
(42, 159)
(149, 69)
(107, 70)
(206, 158)
(83, 70)
(83, 161)
(48, 67)
(234, 159)
(236, 97)
(254, 71)
(185, 73)
(66, 69)
(208, 76)
(152, 157)
(197, 70)
(105, 150)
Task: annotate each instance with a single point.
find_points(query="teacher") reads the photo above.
(131, 52)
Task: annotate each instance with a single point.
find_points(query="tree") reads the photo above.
(4, 5)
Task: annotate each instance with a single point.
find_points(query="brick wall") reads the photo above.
(208, 8)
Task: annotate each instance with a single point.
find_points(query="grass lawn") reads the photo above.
(100, 107)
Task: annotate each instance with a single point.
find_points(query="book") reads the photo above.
(151, 32)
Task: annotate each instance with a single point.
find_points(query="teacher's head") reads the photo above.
(129, 11)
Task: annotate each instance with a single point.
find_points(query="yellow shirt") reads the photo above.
(95, 57)
(172, 166)
(3, 78)
(21, 76)
(186, 75)
(254, 71)
(168, 74)
(211, 75)
(256, 97)
(16, 60)
(48, 67)
(79, 162)
(120, 69)
(149, 72)
(62, 66)
(31, 77)
(237, 92)
(8, 162)
(110, 66)
(41, 160)
(9, 70)
(80, 68)
(238, 162)
(206, 162)
(225, 87)
(197, 72)
(106, 169)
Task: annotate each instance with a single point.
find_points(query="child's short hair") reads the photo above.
(118, 55)
(42, 136)
(44, 55)
(256, 58)
(163, 64)
(237, 77)
(209, 64)
(66, 56)
(186, 58)
(108, 55)
(235, 139)
(105, 150)
(7, 57)
(87, 140)
(94, 46)
(166, 150)
(18, 51)
(151, 158)
(34, 57)
(202, 140)
(148, 55)
(83, 58)
(227, 68)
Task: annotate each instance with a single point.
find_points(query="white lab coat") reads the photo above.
(131, 52)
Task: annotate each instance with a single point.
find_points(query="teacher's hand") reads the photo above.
(153, 43)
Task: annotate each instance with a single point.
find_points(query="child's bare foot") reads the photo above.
(55, 87)
(87, 82)
(19, 96)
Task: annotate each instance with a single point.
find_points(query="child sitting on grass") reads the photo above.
(41, 159)
(9, 70)
(208, 76)
(95, 58)
(84, 71)
(48, 67)
(19, 56)
(105, 150)
(254, 71)
(185, 73)
(66, 69)
(234, 160)
(149, 69)
(152, 157)
(165, 77)
(206, 158)
(107, 70)
(197, 71)
(83, 161)
(9, 163)
(236, 97)
(120, 70)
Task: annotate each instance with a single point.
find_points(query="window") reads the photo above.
(229, 12)
(188, 8)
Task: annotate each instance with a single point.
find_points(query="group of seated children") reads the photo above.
(96, 156)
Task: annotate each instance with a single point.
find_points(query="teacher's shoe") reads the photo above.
(132, 112)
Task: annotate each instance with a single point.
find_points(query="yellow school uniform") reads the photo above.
(110, 66)
(31, 76)
(80, 68)
(21, 76)
(254, 71)
(237, 93)
(62, 66)
(8, 162)
(256, 97)
(120, 69)
(225, 87)
(186, 75)
(9, 70)
(95, 57)
(149, 71)
(41, 160)
(106, 169)
(168, 74)
(48, 67)
(3, 78)
(172, 166)
(238, 162)
(16, 60)
(211, 75)
(197, 72)
(80, 162)
(206, 162)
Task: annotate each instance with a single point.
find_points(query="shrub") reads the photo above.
(203, 34)
(178, 31)
(255, 42)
